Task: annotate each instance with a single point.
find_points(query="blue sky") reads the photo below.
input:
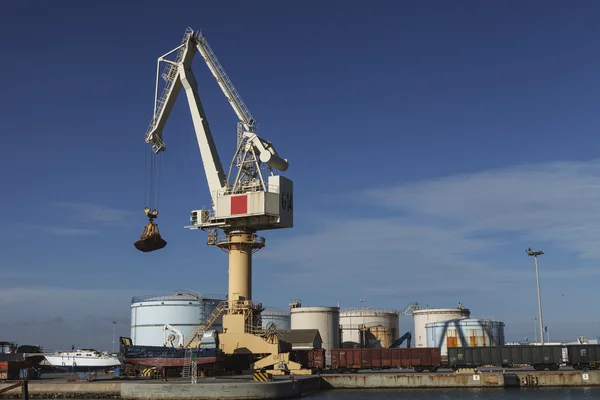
(429, 143)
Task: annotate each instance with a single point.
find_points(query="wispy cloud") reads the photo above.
(62, 231)
(456, 238)
(78, 219)
(91, 212)
(555, 202)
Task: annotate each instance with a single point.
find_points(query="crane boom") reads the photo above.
(179, 74)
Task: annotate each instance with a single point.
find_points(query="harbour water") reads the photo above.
(559, 393)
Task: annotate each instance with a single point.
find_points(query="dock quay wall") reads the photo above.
(66, 390)
(175, 390)
(288, 388)
(460, 380)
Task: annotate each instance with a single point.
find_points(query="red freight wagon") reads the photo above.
(313, 359)
(419, 358)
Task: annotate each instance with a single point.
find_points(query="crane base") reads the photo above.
(150, 243)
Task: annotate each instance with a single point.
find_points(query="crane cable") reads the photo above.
(152, 181)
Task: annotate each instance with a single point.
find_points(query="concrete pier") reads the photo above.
(287, 388)
(173, 390)
(66, 390)
(279, 389)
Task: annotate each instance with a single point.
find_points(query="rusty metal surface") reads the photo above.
(384, 358)
(316, 358)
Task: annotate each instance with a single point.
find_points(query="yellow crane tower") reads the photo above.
(250, 198)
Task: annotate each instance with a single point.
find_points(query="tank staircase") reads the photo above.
(212, 318)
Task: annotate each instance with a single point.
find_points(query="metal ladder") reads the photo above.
(216, 313)
(187, 364)
(224, 81)
(194, 368)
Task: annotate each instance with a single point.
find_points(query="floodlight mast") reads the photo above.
(535, 255)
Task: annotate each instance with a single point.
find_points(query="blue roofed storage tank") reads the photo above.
(424, 316)
(464, 332)
(183, 310)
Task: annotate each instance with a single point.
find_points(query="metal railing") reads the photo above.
(212, 318)
(215, 237)
(367, 310)
(185, 295)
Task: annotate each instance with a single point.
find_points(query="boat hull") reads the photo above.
(156, 356)
(168, 362)
(81, 364)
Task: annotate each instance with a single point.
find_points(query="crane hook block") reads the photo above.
(150, 239)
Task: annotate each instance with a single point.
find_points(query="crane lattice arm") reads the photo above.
(179, 74)
(239, 107)
(410, 307)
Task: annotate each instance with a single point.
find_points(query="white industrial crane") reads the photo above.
(169, 338)
(250, 198)
(259, 208)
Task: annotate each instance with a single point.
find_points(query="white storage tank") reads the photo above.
(183, 310)
(369, 326)
(465, 332)
(325, 319)
(281, 318)
(427, 315)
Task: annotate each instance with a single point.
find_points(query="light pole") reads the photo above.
(114, 334)
(534, 331)
(535, 255)
(362, 311)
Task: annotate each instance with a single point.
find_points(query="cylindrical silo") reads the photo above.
(464, 332)
(325, 319)
(428, 315)
(183, 310)
(280, 318)
(369, 327)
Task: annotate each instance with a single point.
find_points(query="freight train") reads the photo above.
(421, 359)
(552, 357)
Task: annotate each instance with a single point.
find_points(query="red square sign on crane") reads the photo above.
(239, 205)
